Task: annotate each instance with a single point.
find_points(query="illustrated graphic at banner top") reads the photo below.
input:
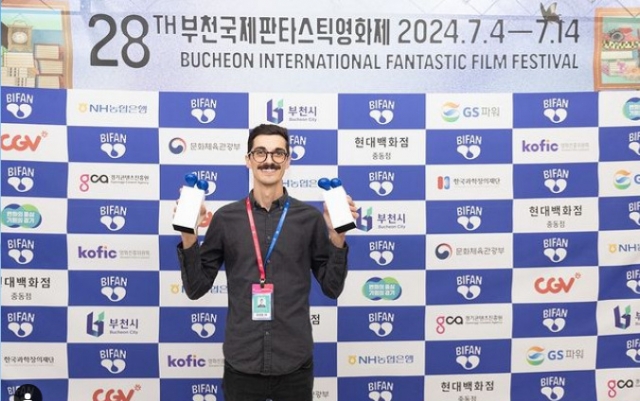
(21, 251)
(204, 110)
(554, 319)
(479, 251)
(562, 249)
(381, 111)
(33, 106)
(113, 288)
(113, 361)
(113, 144)
(470, 146)
(559, 110)
(384, 323)
(469, 287)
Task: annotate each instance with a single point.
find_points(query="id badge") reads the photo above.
(262, 302)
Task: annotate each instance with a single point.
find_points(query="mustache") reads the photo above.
(269, 166)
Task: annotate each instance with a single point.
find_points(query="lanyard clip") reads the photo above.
(262, 281)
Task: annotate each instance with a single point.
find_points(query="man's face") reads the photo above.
(268, 172)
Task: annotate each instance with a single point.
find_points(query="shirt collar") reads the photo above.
(278, 203)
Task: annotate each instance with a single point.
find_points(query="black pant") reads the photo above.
(295, 386)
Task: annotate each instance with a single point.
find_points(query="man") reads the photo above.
(270, 244)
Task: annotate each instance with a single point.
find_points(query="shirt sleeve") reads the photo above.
(329, 263)
(200, 264)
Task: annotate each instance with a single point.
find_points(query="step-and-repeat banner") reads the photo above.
(492, 147)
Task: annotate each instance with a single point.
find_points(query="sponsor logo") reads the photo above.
(115, 394)
(113, 216)
(101, 252)
(275, 111)
(21, 178)
(27, 392)
(633, 280)
(21, 323)
(444, 182)
(85, 179)
(552, 387)
(444, 251)
(21, 250)
(554, 319)
(381, 110)
(469, 146)
(469, 217)
(555, 109)
(177, 146)
(114, 360)
(377, 289)
(381, 323)
(21, 143)
(622, 320)
(19, 105)
(535, 356)
(204, 110)
(554, 285)
(622, 179)
(190, 361)
(381, 182)
(631, 109)
(450, 112)
(114, 287)
(95, 324)
(204, 392)
(555, 249)
(204, 324)
(23, 216)
(555, 179)
(468, 356)
(543, 146)
(620, 384)
(365, 220)
(380, 390)
(382, 252)
(469, 286)
(633, 350)
(114, 144)
(441, 321)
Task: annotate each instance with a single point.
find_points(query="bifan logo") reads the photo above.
(95, 327)
(552, 387)
(469, 146)
(382, 252)
(297, 147)
(634, 212)
(21, 250)
(113, 217)
(204, 324)
(554, 319)
(21, 323)
(556, 179)
(19, 105)
(21, 143)
(381, 323)
(113, 144)
(633, 350)
(469, 286)
(365, 221)
(555, 249)
(381, 110)
(114, 360)
(115, 394)
(554, 285)
(622, 321)
(469, 217)
(203, 109)
(380, 391)
(381, 182)
(633, 280)
(468, 356)
(275, 114)
(114, 287)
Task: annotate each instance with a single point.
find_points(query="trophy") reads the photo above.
(187, 216)
(335, 198)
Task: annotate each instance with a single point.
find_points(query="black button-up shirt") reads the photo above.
(285, 343)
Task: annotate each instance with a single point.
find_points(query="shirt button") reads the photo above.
(266, 333)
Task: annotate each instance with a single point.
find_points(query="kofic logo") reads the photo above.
(622, 179)
(377, 288)
(275, 111)
(382, 110)
(203, 109)
(543, 146)
(114, 360)
(382, 252)
(177, 146)
(21, 250)
(469, 146)
(555, 249)
(450, 112)
(633, 350)
(380, 391)
(203, 324)
(556, 179)
(622, 321)
(469, 286)
(381, 323)
(555, 109)
(114, 288)
(552, 387)
(113, 144)
(204, 392)
(113, 217)
(365, 221)
(469, 217)
(444, 251)
(535, 356)
(468, 356)
(554, 319)
(633, 280)
(21, 323)
(297, 145)
(381, 182)
(23, 216)
(95, 327)
(191, 361)
(631, 109)
(19, 105)
(102, 252)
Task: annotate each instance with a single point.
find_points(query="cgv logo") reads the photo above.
(554, 285)
(21, 142)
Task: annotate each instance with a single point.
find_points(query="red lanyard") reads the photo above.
(256, 243)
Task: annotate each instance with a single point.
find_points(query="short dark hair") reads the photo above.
(267, 129)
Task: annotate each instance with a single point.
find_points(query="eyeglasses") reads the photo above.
(260, 155)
